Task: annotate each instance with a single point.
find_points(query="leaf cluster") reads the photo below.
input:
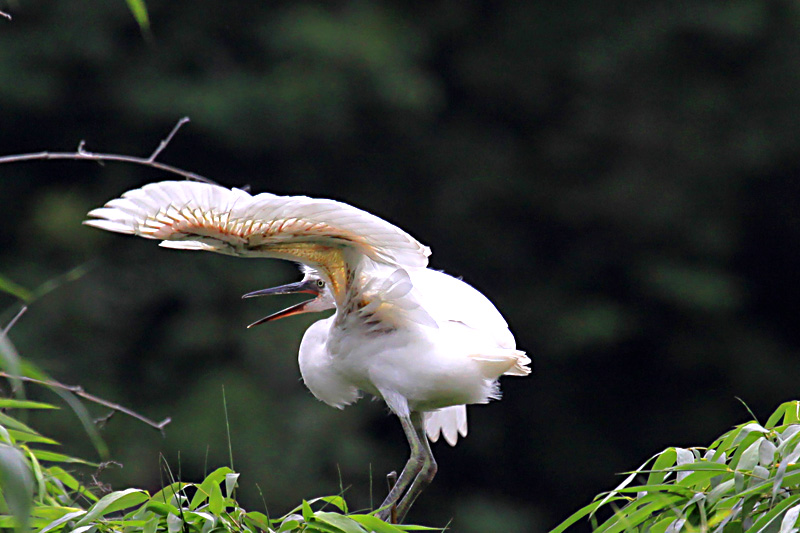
(37, 492)
(747, 480)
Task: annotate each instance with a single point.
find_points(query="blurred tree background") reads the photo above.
(620, 178)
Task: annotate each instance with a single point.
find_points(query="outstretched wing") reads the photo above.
(200, 216)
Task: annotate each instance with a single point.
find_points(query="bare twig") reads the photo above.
(77, 390)
(14, 320)
(4, 14)
(82, 154)
(166, 141)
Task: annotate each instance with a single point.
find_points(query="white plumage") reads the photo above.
(426, 343)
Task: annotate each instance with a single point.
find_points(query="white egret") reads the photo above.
(426, 343)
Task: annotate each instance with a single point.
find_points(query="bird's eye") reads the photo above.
(321, 284)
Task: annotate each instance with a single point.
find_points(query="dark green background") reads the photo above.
(620, 178)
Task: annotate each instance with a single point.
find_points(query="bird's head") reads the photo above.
(312, 283)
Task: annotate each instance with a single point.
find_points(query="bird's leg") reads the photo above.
(412, 468)
(426, 473)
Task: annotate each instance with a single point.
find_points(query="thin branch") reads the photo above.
(14, 320)
(4, 14)
(77, 390)
(166, 141)
(82, 154)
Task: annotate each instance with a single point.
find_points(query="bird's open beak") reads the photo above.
(301, 287)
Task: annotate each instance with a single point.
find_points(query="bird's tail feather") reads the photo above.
(449, 422)
(504, 362)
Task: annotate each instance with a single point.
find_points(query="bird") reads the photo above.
(428, 344)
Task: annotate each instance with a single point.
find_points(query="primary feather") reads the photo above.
(200, 216)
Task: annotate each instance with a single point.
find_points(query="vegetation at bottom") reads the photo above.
(40, 491)
(747, 480)
(47, 491)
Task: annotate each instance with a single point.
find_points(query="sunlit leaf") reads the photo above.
(24, 436)
(9, 403)
(230, 483)
(347, 525)
(790, 520)
(139, 10)
(373, 523)
(114, 501)
(665, 459)
(55, 524)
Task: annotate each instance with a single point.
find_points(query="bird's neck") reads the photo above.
(333, 262)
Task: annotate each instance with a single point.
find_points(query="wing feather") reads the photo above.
(234, 222)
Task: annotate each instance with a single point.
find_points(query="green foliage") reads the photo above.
(36, 491)
(747, 480)
(139, 10)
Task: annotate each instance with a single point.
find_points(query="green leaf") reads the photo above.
(151, 526)
(112, 502)
(70, 482)
(375, 524)
(582, 513)
(747, 461)
(257, 519)
(765, 520)
(230, 484)
(6, 437)
(13, 423)
(790, 520)
(17, 483)
(209, 490)
(24, 436)
(14, 289)
(308, 514)
(86, 420)
(791, 415)
(348, 525)
(627, 480)
(746, 430)
(139, 10)
(702, 465)
(9, 361)
(631, 516)
(766, 453)
(665, 460)
(216, 503)
(166, 494)
(44, 455)
(338, 501)
(174, 523)
(9, 403)
(63, 520)
(289, 525)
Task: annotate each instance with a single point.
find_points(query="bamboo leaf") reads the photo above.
(347, 525)
(765, 520)
(139, 10)
(10, 403)
(45, 455)
(112, 502)
(14, 289)
(665, 460)
(17, 484)
(790, 520)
